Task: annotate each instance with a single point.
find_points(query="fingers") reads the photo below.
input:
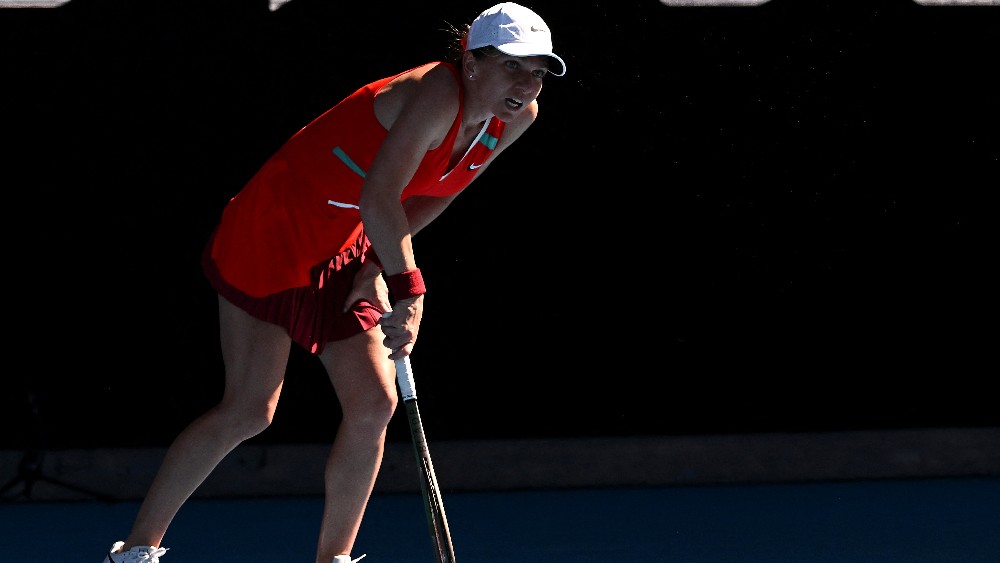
(402, 352)
(368, 287)
(398, 338)
(398, 352)
(400, 327)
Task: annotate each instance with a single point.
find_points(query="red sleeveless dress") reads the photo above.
(296, 222)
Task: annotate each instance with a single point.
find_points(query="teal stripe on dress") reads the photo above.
(350, 163)
(489, 140)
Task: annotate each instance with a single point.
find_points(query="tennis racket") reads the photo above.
(437, 521)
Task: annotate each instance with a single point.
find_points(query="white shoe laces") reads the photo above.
(152, 555)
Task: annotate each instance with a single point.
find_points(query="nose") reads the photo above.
(527, 83)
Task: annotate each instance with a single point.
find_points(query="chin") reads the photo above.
(506, 114)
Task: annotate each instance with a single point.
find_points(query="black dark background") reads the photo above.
(727, 219)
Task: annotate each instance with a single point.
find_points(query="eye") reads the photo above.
(512, 64)
(540, 73)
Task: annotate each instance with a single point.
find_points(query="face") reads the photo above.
(506, 84)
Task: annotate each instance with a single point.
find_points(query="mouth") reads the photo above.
(514, 103)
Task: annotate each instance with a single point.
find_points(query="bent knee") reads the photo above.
(246, 422)
(373, 409)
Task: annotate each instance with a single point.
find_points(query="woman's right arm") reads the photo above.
(427, 105)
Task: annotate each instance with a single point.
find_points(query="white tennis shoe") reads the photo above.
(138, 554)
(149, 554)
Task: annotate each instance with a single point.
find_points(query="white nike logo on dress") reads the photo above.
(474, 166)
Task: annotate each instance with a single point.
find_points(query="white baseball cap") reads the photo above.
(516, 31)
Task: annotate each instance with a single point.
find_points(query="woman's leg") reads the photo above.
(363, 378)
(255, 355)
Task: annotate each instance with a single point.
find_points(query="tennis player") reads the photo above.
(319, 244)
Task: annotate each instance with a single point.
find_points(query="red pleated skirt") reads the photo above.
(312, 315)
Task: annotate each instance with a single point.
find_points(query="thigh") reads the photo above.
(255, 353)
(360, 369)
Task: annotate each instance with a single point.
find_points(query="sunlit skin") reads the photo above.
(503, 86)
(417, 109)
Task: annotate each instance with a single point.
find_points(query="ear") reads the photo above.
(468, 64)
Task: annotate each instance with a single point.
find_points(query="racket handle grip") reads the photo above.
(404, 374)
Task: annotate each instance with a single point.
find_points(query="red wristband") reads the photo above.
(405, 285)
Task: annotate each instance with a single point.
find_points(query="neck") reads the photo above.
(473, 113)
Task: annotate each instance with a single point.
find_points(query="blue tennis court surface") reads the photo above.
(885, 521)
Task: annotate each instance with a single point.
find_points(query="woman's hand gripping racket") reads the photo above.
(437, 521)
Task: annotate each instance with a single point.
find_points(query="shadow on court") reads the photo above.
(888, 521)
